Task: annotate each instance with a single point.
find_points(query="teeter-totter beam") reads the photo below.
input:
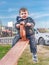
(11, 58)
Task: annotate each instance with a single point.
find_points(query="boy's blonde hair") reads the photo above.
(23, 9)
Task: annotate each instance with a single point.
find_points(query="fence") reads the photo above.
(6, 40)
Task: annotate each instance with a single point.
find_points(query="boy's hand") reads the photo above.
(22, 23)
(18, 25)
(28, 24)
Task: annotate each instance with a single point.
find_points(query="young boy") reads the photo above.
(29, 27)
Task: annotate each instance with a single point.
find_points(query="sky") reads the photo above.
(38, 10)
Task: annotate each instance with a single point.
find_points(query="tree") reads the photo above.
(0, 27)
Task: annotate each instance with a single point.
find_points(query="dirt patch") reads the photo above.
(42, 51)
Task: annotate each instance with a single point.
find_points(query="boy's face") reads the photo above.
(24, 15)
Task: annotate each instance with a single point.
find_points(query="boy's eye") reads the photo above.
(23, 13)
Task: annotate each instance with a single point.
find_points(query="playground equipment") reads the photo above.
(11, 58)
(22, 32)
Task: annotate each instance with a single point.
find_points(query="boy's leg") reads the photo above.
(33, 47)
(15, 39)
(35, 58)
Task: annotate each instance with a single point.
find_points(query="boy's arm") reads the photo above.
(30, 22)
(19, 21)
(17, 24)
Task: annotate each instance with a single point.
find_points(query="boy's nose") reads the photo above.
(24, 14)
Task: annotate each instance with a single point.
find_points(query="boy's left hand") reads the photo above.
(28, 24)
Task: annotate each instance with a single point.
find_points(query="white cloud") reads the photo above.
(38, 19)
(39, 15)
(12, 9)
(46, 8)
(9, 10)
(6, 17)
(41, 2)
(3, 2)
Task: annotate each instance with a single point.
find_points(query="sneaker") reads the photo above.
(35, 59)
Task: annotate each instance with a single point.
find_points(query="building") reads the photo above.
(11, 24)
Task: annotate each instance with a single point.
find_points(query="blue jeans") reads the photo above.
(33, 46)
(15, 39)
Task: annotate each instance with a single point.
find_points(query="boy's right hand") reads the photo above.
(18, 25)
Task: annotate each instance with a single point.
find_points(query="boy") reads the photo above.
(29, 27)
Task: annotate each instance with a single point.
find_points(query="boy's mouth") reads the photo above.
(24, 16)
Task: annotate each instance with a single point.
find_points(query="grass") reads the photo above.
(47, 47)
(26, 58)
(4, 49)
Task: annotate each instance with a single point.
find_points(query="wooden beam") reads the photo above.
(11, 58)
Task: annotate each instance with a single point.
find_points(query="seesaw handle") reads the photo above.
(22, 32)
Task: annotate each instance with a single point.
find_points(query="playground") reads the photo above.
(20, 53)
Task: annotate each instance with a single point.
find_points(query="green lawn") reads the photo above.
(4, 49)
(26, 57)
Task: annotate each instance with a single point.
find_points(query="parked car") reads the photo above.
(42, 38)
